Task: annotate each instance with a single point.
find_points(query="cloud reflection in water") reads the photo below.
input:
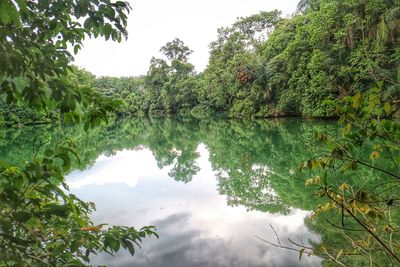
(195, 224)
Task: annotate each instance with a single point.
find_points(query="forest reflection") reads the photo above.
(255, 162)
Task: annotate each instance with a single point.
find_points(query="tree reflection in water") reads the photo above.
(255, 162)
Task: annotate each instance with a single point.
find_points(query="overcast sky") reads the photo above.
(152, 23)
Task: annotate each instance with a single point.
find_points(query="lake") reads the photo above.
(213, 188)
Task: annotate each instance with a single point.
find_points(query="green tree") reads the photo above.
(176, 50)
(40, 223)
(234, 80)
(36, 39)
(170, 83)
(324, 52)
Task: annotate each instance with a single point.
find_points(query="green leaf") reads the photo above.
(88, 24)
(357, 100)
(112, 243)
(107, 29)
(76, 49)
(59, 210)
(5, 16)
(74, 246)
(130, 247)
(388, 108)
(9, 13)
(120, 3)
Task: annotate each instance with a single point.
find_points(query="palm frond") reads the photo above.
(382, 31)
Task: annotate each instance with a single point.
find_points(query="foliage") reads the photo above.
(234, 78)
(35, 37)
(40, 223)
(22, 113)
(316, 58)
(264, 65)
(369, 143)
(170, 83)
(128, 90)
(43, 225)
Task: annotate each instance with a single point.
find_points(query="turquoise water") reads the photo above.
(212, 188)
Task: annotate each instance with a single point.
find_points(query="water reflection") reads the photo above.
(197, 226)
(209, 186)
(125, 167)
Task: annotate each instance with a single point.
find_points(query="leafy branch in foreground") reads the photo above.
(356, 173)
(368, 210)
(41, 224)
(36, 38)
(303, 249)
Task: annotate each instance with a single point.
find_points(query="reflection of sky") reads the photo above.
(195, 225)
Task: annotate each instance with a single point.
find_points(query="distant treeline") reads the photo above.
(265, 65)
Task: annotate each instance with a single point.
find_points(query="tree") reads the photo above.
(170, 83)
(41, 224)
(324, 52)
(234, 80)
(176, 50)
(35, 42)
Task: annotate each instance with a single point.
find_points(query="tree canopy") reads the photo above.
(36, 40)
(265, 65)
(41, 224)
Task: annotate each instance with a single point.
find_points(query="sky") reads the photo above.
(152, 23)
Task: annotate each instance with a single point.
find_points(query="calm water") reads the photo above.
(210, 187)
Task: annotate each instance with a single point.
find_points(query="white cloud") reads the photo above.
(126, 167)
(152, 23)
(193, 220)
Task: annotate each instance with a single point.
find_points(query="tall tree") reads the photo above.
(176, 50)
(170, 82)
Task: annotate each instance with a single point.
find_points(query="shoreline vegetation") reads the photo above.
(262, 66)
(20, 124)
(330, 59)
(179, 116)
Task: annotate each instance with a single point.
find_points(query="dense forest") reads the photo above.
(331, 58)
(264, 65)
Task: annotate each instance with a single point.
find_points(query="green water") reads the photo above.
(211, 187)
